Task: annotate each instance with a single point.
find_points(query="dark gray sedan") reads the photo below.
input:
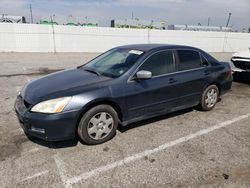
(123, 85)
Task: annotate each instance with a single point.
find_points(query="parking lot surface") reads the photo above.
(189, 148)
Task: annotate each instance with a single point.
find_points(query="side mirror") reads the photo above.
(143, 75)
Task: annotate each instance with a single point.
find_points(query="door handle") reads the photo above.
(172, 80)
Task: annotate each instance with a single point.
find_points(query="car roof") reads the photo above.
(149, 47)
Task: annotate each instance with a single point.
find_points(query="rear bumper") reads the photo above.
(50, 127)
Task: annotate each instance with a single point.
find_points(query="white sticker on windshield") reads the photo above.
(137, 52)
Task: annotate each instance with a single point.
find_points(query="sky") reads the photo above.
(189, 12)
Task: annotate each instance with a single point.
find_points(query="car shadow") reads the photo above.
(122, 129)
(55, 144)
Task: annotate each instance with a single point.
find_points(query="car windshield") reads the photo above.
(113, 63)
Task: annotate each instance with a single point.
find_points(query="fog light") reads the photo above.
(38, 130)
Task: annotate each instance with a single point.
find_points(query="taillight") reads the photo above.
(230, 71)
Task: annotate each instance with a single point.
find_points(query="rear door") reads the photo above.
(192, 74)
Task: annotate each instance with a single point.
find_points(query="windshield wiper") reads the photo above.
(92, 71)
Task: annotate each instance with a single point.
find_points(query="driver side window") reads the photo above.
(160, 63)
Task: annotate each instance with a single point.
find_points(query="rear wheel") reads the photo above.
(98, 125)
(209, 98)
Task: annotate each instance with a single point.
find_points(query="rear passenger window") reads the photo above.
(188, 59)
(159, 63)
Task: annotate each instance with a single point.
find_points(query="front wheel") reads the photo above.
(209, 98)
(98, 125)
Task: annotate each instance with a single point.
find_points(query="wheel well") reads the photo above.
(107, 102)
(218, 85)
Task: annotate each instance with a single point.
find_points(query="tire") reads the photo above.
(98, 125)
(209, 98)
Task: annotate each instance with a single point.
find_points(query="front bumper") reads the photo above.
(241, 75)
(50, 127)
(241, 70)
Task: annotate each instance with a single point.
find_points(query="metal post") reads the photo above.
(228, 18)
(31, 15)
(53, 33)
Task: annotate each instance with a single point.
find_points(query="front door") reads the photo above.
(154, 95)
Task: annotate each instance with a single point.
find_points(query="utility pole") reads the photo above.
(31, 15)
(4, 15)
(229, 16)
(53, 32)
(132, 15)
(208, 21)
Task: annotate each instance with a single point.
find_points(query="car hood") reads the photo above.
(243, 54)
(61, 84)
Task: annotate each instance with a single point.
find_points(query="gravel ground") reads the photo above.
(189, 148)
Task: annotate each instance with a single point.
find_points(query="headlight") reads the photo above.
(51, 106)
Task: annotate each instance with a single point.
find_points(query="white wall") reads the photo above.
(40, 38)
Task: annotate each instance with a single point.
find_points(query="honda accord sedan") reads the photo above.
(123, 85)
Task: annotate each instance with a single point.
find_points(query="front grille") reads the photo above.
(242, 65)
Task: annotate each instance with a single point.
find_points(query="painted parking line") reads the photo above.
(68, 182)
(62, 170)
(34, 150)
(34, 176)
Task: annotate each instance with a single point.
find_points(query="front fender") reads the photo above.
(80, 101)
